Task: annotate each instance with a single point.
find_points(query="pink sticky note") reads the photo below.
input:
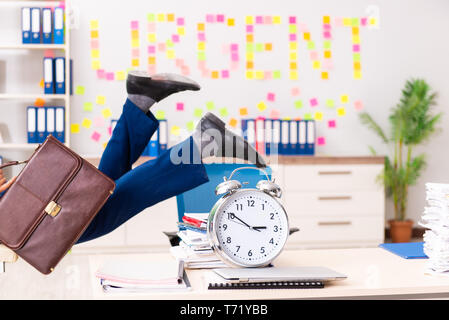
(134, 24)
(151, 49)
(201, 36)
(292, 20)
(235, 56)
(267, 20)
(292, 36)
(175, 38)
(326, 26)
(180, 21)
(99, 122)
(225, 74)
(151, 27)
(210, 18)
(249, 28)
(356, 48)
(100, 73)
(234, 47)
(327, 35)
(313, 102)
(95, 136)
(302, 27)
(94, 44)
(295, 91)
(151, 68)
(220, 17)
(61, 4)
(185, 70)
(321, 141)
(202, 64)
(275, 114)
(313, 55)
(358, 105)
(234, 65)
(271, 96)
(363, 21)
(331, 124)
(161, 46)
(259, 20)
(135, 53)
(327, 64)
(109, 76)
(267, 75)
(110, 130)
(338, 22)
(180, 106)
(49, 53)
(179, 62)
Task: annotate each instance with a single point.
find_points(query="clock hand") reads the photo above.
(233, 215)
(257, 228)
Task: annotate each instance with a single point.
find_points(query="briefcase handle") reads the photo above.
(12, 163)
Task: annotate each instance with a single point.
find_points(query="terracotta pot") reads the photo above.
(401, 231)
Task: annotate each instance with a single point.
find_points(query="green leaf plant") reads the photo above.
(412, 123)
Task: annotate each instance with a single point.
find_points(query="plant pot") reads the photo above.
(401, 231)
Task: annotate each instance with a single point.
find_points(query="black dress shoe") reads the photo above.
(232, 145)
(158, 86)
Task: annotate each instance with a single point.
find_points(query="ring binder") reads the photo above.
(269, 285)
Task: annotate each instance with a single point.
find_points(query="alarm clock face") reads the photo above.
(248, 228)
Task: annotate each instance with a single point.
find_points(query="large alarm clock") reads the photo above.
(248, 227)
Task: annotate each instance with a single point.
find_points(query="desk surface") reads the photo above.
(372, 272)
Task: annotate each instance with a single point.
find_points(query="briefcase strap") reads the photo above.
(12, 163)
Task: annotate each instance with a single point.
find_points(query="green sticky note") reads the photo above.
(355, 22)
(330, 103)
(224, 112)
(356, 56)
(310, 45)
(151, 17)
(201, 56)
(160, 114)
(210, 105)
(326, 44)
(292, 28)
(79, 90)
(298, 104)
(276, 74)
(198, 112)
(259, 47)
(190, 125)
(169, 43)
(250, 47)
(88, 106)
(307, 116)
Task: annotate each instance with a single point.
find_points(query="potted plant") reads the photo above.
(412, 123)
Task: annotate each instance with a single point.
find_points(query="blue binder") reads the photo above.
(268, 136)
(60, 75)
(47, 25)
(41, 124)
(153, 146)
(310, 143)
(31, 124)
(58, 26)
(285, 137)
(60, 124)
(302, 137)
(36, 25)
(276, 124)
(406, 250)
(49, 83)
(244, 127)
(251, 132)
(163, 136)
(50, 121)
(293, 145)
(26, 25)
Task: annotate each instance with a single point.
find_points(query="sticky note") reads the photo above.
(321, 141)
(151, 17)
(94, 34)
(134, 62)
(313, 55)
(306, 36)
(313, 102)
(307, 116)
(87, 123)
(293, 75)
(275, 114)
(298, 104)
(170, 17)
(249, 19)
(327, 44)
(109, 76)
(100, 100)
(318, 116)
(261, 106)
(100, 73)
(331, 124)
(95, 136)
(276, 74)
(41, 83)
(243, 111)
(344, 98)
(326, 19)
(175, 130)
(160, 114)
(224, 112)
(210, 105)
(88, 106)
(356, 48)
(200, 26)
(233, 122)
(106, 113)
(179, 106)
(94, 24)
(95, 64)
(327, 35)
(39, 102)
(249, 74)
(259, 19)
(180, 21)
(324, 75)
(190, 125)
(341, 111)
(210, 18)
(316, 64)
(75, 128)
(295, 91)
(134, 24)
(276, 20)
(120, 75)
(198, 112)
(271, 96)
(231, 22)
(160, 17)
(330, 103)
(358, 105)
(310, 45)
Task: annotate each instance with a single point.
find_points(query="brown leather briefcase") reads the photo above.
(48, 207)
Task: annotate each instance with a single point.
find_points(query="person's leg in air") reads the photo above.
(175, 171)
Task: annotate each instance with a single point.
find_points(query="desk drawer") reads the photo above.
(362, 203)
(341, 229)
(332, 177)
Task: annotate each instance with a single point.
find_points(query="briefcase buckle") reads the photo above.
(53, 209)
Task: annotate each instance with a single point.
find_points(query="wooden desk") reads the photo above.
(372, 273)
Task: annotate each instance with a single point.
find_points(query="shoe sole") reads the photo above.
(186, 85)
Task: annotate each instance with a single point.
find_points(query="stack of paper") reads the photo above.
(436, 219)
(142, 276)
(194, 247)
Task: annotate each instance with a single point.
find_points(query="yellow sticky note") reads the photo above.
(260, 75)
(94, 24)
(75, 128)
(106, 113)
(344, 98)
(372, 21)
(231, 22)
(356, 39)
(324, 75)
(327, 54)
(249, 19)
(201, 46)
(276, 20)
(261, 106)
(181, 31)
(326, 19)
(104, 145)
(170, 54)
(318, 116)
(347, 22)
(293, 75)
(316, 64)
(101, 100)
(95, 53)
(293, 46)
(87, 123)
(96, 64)
(306, 36)
(341, 111)
(175, 130)
(135, 62)
(357, 74)
(135, 43)
(151, 37)
(293, 56)
(160, 17)
(94, 34)
(249, 74)
(120, 75)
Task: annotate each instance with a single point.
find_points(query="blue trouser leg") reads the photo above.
(140, 188)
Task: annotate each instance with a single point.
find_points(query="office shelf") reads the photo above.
(18, 146)
(34, 46)
(20, 96)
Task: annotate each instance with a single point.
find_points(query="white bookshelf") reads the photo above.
(31, 97)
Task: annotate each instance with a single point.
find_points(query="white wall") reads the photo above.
(410, 42)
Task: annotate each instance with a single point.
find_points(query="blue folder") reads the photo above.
(406, 250)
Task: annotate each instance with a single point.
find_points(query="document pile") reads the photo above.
(143, 276)
(436, 219)
(194, 247)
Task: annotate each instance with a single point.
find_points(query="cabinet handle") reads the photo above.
(334, 223)
(334, 172)
(335, 198)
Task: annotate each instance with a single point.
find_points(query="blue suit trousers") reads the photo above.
(151, 182)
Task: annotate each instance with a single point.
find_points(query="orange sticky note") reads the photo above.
(39, 102)
(231, 22)
(94, 34)
(324, 75)
(233, 122)
(215, 74)
(200, 27)
(41, 83)
(268, 46)
(306, 36)
(243, 111)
